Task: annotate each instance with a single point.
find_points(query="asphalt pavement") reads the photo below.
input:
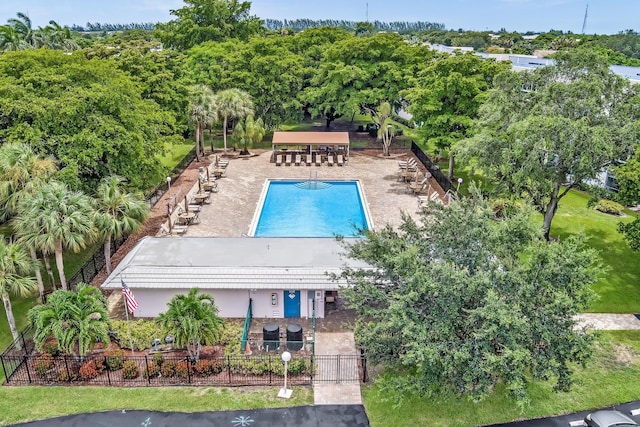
(571, 419)
(302, 416)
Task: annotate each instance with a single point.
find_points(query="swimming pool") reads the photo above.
(310, 209)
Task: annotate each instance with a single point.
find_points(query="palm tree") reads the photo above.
(55, 219)
(200, 112)
(252, 131)
(232, 103)
(192, 320)
(22, 26)
(57, 37)
(77, 320)
(16, 269)
(117, 212)
(22, 172)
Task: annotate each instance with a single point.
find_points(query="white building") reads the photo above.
(284, 277)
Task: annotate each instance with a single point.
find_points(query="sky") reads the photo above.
(604, 16)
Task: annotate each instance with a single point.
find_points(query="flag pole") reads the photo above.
(126, 313)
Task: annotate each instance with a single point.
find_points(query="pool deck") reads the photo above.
(232, 208)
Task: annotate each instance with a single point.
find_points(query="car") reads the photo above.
(609, 419)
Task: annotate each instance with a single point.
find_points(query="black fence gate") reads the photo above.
(340, 369)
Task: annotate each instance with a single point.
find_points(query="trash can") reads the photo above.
(294, 337)
(271, 336)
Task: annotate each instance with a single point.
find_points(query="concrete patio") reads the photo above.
(232, 208)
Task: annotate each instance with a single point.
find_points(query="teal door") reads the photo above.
(291, 303)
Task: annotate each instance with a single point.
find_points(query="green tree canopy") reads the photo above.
(543, 132)
(86, 114)
(264, 67)
(447, 95)
(458, 302)
(357, 74)
(208, 20)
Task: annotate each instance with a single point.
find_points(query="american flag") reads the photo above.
(130, 299)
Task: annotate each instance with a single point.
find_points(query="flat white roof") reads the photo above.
(232, 263)
(310, 138)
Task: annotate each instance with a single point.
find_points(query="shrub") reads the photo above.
(610, 207)
(43, 364)
(158, 359)
(66, 376)
(183, 369)
(115, 358)
(205, 367)
(89, 370)
(229, 333)
(152, 371)
(51, 347)
(143, 332)
(168, 368)
(130, 370)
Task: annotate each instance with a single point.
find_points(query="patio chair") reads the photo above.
(318, 159)
(298, 159)
(307, 158)
(287, 161)
(340, 160)
(279, 160)
(330, 159)
(419, 187)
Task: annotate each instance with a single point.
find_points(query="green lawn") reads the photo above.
(619, 287)
(21, 404)
(607, 380)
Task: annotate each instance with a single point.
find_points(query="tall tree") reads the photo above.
(232, 104)
(16, 278)
(201, 112)
(22, 172)
(56, 219)
(357, 74)
(117, 212)
(77, 320)
(87, 114)
(264, 67)
(192, 320)
(544, 132)
(249, 132)
(447, 95)
(208, 20)
(385, 127)
(459, 303)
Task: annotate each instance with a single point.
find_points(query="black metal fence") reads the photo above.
(433, 168)
(142, 371)
(159, 190)
(340, 369)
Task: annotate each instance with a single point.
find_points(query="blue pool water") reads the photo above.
(311, 209)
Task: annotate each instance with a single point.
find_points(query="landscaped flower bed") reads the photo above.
(220, 364)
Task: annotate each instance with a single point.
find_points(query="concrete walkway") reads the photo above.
(608, 321)
(327, 389)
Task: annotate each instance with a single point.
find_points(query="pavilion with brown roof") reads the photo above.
(311, 141)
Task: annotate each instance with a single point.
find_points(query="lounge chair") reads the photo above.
(176, 230)
(340, 160)
(318, 159)
(330, 159)
(287, 161)
(307, 158)
(419, 187)
(298, 159)
(279, 160)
